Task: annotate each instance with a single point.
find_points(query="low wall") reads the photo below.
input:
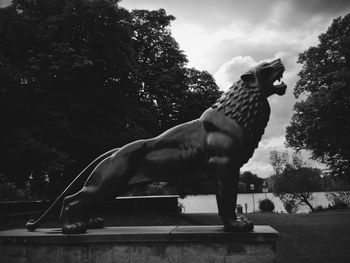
(141, 204)
(185, 244)
(13, 207)
(130, 204)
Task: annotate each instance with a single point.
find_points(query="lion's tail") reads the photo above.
(79, 180)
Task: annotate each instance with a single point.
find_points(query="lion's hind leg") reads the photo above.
(75, 214)
(109, 179)
(72, 214)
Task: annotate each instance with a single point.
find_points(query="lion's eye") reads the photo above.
(249, 76)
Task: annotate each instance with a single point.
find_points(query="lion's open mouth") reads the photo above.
(278, 85)
(277, 76)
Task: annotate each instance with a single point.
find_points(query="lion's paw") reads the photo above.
(76, 228)
(242, 224)
(95, 223)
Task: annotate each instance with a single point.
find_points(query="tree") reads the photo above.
(248, 178)
(200, 94)
(321, 122)
(173, 93)
(293, 181)
(161, 65)
(298, 184)
(81, 77)
(278, 161)
(69, 91)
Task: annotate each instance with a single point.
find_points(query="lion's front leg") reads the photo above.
(226, 189)
(227, 176)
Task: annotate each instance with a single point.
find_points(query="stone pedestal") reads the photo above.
(182, 244)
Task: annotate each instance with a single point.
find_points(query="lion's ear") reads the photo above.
(248, 76)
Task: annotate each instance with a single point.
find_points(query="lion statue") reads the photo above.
(218, 143)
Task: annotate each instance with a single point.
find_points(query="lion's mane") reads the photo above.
(249, 108)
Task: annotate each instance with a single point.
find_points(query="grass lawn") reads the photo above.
(317, 237)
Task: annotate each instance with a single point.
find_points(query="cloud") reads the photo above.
(213, 32)
(259, 163)
(324, 7)
(193, 39)
(4, 3)
(213, 15)
(231, 71)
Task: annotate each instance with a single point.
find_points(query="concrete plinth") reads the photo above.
(152, 244)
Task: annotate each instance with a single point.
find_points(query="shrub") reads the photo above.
(8, 192)
(320, 208)
(290, 203)
(338, 200)
(266, 205)
(339, 205)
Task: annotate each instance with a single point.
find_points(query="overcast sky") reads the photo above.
(225, 37)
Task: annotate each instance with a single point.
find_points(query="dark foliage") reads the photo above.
(266, 205)
(79, 78)
(298, 184)
(321, 121)
(339, 200)
(293, 181)
(248, 178)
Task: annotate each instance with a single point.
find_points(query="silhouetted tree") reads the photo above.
(69, 91)
(81, 77)
(298, 184)
(293, 181)
(201, 92)
(321, 121)
(248, 178)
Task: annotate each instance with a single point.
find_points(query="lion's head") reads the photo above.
(264, 75)
(246, 101)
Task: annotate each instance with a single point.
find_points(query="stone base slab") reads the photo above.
(173, 244)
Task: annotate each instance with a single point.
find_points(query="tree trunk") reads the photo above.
(306, 201)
